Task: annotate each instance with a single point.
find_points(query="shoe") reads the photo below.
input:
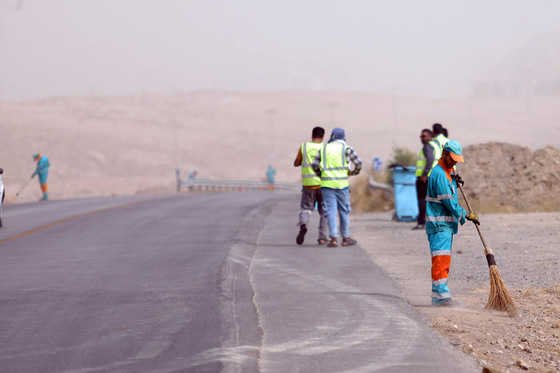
(332, 242)
(450, 303)
(301, 234)
(418, 226)
(347, 241)
(322, 241)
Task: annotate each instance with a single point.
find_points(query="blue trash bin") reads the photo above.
(404, 187)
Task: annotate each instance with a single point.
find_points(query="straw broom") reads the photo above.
(499, 298)
(18, 193)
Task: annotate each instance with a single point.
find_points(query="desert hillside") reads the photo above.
(502, 177)
(101, 146)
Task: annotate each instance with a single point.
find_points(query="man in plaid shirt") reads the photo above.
(332, 164)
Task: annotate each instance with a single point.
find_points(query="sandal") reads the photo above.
(322, 241)
(332, 242)
(347, 241)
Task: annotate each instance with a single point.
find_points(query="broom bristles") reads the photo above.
(499, 298)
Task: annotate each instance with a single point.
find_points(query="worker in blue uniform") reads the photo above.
(43, 171)
(443, 215)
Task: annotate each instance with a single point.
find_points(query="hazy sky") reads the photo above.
(430, 48)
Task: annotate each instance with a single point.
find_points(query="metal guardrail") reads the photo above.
(208, 185)
(379, 186)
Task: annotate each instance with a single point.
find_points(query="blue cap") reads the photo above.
(455, 149)
(337, 134)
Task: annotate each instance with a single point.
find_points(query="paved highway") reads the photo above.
(197, 283)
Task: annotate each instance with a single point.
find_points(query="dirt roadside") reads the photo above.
(527, 251)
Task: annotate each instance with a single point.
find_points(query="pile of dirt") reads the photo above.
(501, 177)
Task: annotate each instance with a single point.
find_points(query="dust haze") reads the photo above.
(120, 93)
(429, 48)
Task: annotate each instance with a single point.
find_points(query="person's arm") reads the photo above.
(315, 164)
(353, 157)
(429, 153)
(445, 195)
(43, 165)
(299, 158)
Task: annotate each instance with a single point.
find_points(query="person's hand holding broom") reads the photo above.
(473, 217)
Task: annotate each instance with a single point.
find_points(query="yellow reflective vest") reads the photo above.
(421, 162)
(334, 166)
(308, 152)
(441, 141)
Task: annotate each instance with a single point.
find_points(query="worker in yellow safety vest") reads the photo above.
(439, 135)
(311, 191)
(332, 163)
(427, 159)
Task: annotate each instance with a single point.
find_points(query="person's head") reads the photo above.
(452, 153)
(445, 133)
(437, 129)
(337, 134)
(36, 156)
(318, 133)
(425, 136)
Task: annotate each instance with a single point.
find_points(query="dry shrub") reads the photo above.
(365, 199)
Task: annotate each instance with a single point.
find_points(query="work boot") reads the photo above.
(301, 234)
(347, 241)
(450, 303)
(418, 226)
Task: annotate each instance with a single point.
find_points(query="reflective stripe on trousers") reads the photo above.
(440, 248)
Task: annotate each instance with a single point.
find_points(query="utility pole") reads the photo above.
(395, 107)
(332, 105)
(270, 112)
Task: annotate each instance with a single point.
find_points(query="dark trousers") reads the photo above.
(421, 192)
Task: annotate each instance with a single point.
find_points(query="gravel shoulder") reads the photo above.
(527, 251)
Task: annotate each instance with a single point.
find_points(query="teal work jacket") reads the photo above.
(42, 166)
(443, 212)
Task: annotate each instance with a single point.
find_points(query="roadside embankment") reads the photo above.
(528, 256)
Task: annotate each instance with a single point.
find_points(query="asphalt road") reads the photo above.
(197, 283)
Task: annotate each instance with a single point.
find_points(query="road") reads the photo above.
(197, 283)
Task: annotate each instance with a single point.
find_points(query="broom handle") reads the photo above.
(486, 248)
(23, 187)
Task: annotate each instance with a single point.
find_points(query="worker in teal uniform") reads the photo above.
(42, 170)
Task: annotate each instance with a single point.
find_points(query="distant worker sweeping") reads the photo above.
(43, 171)
(443, 215)
(270, 177)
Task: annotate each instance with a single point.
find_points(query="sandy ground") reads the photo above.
(528, 257)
